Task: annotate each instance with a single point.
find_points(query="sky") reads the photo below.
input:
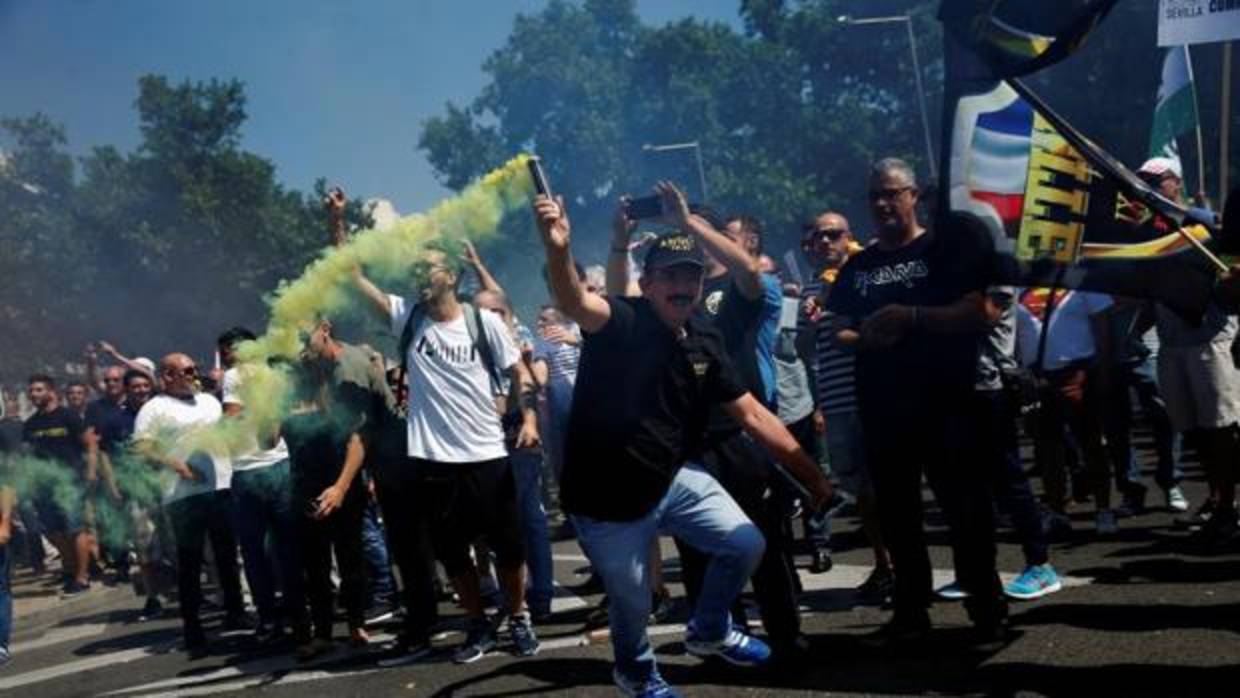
(338, 90)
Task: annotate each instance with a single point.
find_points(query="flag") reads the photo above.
(1060, 210)
(1176, 111)
(1018, 37)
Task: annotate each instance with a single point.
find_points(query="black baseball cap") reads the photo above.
(673, 249)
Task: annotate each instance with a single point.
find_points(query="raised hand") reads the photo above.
(552, 222)
(675, 205)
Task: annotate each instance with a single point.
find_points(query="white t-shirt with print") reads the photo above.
(452, 416)
(253, 457)
(172, 424)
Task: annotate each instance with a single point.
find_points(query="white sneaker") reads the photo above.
(1176, 501)
(1105, 523)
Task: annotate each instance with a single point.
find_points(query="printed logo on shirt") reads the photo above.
(700, 368)
(904, 273)
(453, 354)
(712, 302)
(50, 433)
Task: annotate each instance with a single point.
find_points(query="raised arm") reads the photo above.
(123, 360)
(619, 281)
(589, 311)
(744, 268)
(485, 279)
(335, 203)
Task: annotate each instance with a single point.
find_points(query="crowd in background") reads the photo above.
(704, 372)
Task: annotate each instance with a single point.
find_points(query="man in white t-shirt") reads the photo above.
(1073, 359)
(458, 476)
(169, 430)
(262, 495)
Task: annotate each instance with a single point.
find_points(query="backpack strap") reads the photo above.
(478, 335)
(412, 323)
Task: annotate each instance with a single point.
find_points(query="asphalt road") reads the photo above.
(1144, 614)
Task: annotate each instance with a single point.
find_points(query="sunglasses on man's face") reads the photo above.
(819, 238)
(187, 371)
(887, 194)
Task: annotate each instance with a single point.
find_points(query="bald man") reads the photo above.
(197, 498)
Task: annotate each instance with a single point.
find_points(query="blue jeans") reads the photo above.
(380, 586)
(697, 510)
(527, 472)
(263, 503)
(1141, 377)
(6, 599)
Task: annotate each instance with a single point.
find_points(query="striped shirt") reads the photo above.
(561, 363)
(833, 365)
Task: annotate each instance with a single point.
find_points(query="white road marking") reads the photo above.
(55, 636)
(81, 665)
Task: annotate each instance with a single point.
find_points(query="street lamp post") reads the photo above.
(921, 94)
(697, 153)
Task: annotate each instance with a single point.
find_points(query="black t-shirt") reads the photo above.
(932, 270)
(10, 434)
(56, 436)
(640, 408)
(737, 318)
(110, 422)
(317, 443)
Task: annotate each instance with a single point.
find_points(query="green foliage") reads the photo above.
(155, 250)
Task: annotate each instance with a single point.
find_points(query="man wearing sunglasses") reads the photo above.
(828, 242)
(912, 306)
(169, 431)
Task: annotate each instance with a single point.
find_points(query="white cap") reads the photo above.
(146, 364)
(1160, 166)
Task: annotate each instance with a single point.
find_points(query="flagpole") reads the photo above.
(1224, 127)
(1201, 150)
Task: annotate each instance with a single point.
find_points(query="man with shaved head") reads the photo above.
(169, 430)
(828, 242)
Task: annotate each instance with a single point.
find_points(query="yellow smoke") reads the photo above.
(326, 289)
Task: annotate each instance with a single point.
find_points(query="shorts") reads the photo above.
(59, 516)
(1200, 385)
(463, 502)
(846, 453)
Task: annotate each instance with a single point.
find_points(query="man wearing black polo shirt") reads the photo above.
(650, 372)
(743, 305)
(912, 304)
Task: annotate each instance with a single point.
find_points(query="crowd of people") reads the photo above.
(701, 393)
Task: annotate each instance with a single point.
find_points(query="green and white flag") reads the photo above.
(1176, 112)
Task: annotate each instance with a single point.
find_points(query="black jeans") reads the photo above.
(995, 422)
(340, 532)
(409, 540)
(907, 435)
(195, 520)
(743, 469)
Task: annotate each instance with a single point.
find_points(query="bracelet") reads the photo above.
(619, 250)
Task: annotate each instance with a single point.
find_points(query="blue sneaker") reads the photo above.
(951, 592)
(1035, 582)
(654, 687)
(736, 648)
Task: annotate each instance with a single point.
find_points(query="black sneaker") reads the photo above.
(1197, 519)
(404, 650)
(152, 610)
(73, 588)
(479, 640)
(877, 588)
(524, 641)
(899, 632)
(821, 561)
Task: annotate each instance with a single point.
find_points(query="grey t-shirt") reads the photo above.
(794, 401)
(998, 350)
